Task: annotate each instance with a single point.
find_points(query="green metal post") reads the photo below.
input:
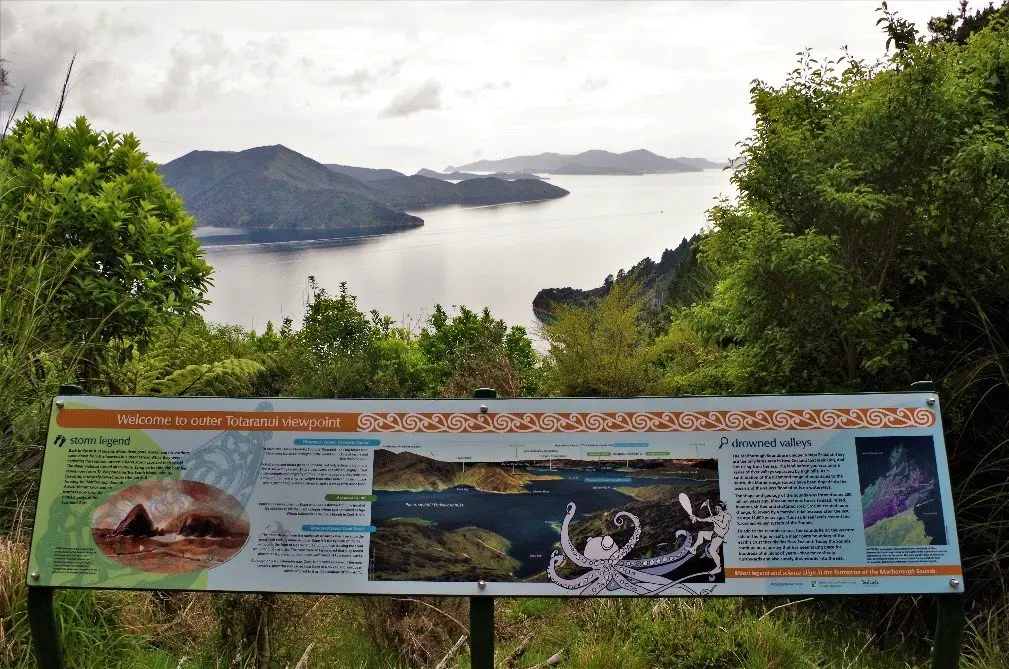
(42, 623)
(949, 624)
(481, 609)
(41, 615)
(950, 617)
(481, 632)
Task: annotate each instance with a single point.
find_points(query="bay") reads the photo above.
(496, 256)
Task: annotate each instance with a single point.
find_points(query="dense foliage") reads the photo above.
(94, 200)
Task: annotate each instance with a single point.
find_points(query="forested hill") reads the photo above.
(657, 282)
(273, 187)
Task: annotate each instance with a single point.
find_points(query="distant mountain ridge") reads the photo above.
(640, 161)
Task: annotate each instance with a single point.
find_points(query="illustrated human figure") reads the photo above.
(719, 519)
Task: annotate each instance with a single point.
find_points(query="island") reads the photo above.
(576, 169)
(417, 193)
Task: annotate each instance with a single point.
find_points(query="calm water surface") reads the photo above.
(497, 256)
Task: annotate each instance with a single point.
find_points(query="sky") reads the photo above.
(425, 84)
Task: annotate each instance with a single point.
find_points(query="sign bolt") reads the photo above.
(483, 408)
(59, 404)
(481, 584)
(36, 576)
(954, 583)
(930, 401)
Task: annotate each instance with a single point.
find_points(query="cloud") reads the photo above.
(359, 81)
(38, 43)
(415, 99)
(265, 55)
(594, 83)
(203, 67)
(196, 71)
(489, 87)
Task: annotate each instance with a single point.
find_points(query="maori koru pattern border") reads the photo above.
(648, 421)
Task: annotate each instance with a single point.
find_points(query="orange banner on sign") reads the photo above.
(503, 422)
(244, 421)
(844, 572)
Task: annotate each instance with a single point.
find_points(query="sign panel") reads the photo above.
(609, 497)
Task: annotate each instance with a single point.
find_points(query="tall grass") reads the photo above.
(980, 384)
(988, 639)
(697, 634)
(35, 356)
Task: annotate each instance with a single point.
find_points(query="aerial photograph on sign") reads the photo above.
(586, 525)
(900, 494)
(170, 526)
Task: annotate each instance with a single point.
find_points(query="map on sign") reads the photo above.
(574, 497)
(900, 491)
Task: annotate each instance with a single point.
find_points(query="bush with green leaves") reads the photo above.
(95, 199)
(471, 350)
(342, 352)
(602, 349)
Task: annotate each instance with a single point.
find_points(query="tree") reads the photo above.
(79, 192)
(601, 349)
(871, 215)
(471, 350)
(868, 249)
(957, 27)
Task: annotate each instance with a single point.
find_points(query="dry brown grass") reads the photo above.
(13, 565)
(421, 631)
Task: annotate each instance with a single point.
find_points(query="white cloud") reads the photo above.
(414, 99)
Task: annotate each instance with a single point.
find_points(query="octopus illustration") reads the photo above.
(608, 568)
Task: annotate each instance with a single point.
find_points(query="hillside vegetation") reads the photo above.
(656, 283)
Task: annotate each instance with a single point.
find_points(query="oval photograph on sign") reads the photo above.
(170, 526)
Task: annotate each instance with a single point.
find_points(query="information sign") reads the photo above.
(752, 495)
